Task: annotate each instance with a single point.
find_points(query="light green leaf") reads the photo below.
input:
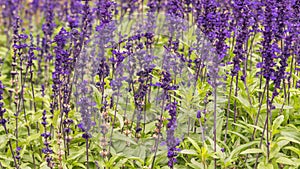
(199, 165)
(240, 135)
(286, 161)
(240, 148)
(25, 166)
(277, 122)
(190, 152)
(262, 165)
(118, 136)
(194, 143)
(294, 149)
(289, 139)
(120, 118)
(150, 127)
(33, 137)
(243, 101)
(76, 154)
(77, 164)
(252, 151)
(279, 106)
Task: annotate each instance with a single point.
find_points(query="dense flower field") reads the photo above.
(150, 84)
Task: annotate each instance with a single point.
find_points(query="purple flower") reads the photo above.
(85, 105)
(172, 141)
(269, 46)
(131, 6)
(49, 25)
(243, 21)
(44, 118)
(2, 109)
(46, 135)
(199, 114)
(62, 65)
(213, 18)
(175, 17)
(18, 149)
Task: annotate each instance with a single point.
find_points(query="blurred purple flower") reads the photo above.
(171, 140)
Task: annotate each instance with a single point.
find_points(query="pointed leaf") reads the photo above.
(252, 151)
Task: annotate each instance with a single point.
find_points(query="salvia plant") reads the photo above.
(150, 84)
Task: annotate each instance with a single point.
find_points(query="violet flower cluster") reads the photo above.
(2, 109)
(80, 45)
(212, 19)
(171, 140)
(244, 21)
(86, 108)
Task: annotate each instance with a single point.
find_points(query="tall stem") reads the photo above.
(10, 147)
(258, 113)
(267, 121)
(215, 120)
(87, 151)
(114, 121)
(158, 134)
(228, 108)
(236, 94)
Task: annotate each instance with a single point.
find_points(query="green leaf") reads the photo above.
(23, 150)
(289, 139)
(113, 159)
(190, 152)
(262, 165)
(150, 127)
(294, 149)
(78, 164)
(76, 154)
(277, 122)
(11, 136)
(252, 151)
(274, 152)
(120, 118)
(6, 158)
(5, 163)
(55, 118)
(33, 137)
(197, 164)
(121, 163)
(279, 106)
(141, 152)
(118, 136)
(194, 143)
(240, 135)
(286, 161)
(3, 141)
(97, 96)
(240, 148)
(243, 101)
(24, 166)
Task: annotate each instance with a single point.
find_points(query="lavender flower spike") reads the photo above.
(172, 142)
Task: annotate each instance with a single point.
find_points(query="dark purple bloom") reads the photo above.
(49, 25)
(213, 18)
(199, 114)
(18, 149)
(243, 21)
(62, 65)
(171, 140)
(269, 46)
(175, 17)
(84, 94)
(2, 109)
(44, 118)
(46, 135)
(86, 135)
